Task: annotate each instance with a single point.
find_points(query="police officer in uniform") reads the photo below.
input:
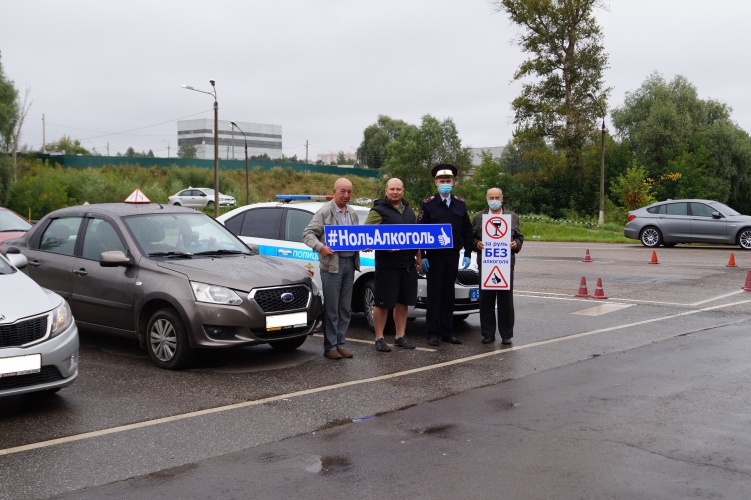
(441, 265)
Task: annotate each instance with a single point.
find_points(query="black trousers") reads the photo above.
(504, 299)
(443, 268)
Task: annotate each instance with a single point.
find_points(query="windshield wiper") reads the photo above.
(172, 253)
(221, 251)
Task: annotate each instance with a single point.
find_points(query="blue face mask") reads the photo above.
(444, 188)
(495, 204)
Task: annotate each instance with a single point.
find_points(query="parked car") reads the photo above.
(276, 229)
(171, 277)
(199, 197)
(12, 225)
(363, 201)
(38, 337)
(688, 221)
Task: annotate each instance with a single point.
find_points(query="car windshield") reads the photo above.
(208, 191)
(9, 221)
(724, 208)
(178, 235)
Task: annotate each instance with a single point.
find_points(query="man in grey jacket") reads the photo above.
(337, 269)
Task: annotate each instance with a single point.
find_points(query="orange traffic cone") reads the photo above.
(654, 258)
(747, 287)
(731, 262)
(583, 292)
(587, 258)
(599, 293)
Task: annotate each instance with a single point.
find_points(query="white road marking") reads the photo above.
(246, 404)
(602, 309)
(566, 296)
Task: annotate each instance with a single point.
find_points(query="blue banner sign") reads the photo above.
(388, 237)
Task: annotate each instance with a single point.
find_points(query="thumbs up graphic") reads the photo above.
(444, 239)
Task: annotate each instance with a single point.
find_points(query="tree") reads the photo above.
(23, 110)
(689, 147)
(8, 110)
(412, 155)
(633, 189)
(568, 59)
(186, 151)
(376, 137)
(68, 146)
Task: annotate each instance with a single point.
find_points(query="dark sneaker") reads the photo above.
(507, 342)
(382, 346)
(403, 342)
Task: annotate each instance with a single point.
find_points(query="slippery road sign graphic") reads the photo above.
(495, 256)
(496, 280)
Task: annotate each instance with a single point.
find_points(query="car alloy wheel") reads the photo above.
(651, 237)
(744, 238)
(368, 302)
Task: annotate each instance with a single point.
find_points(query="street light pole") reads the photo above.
(216, 141)
(165, 140)
(247, 181)
(601, 217)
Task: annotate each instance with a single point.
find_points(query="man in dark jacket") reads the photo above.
(505, 298)
(395, 285)
(441, 265)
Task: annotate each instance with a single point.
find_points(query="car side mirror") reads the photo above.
(716, 215)
(114, 258)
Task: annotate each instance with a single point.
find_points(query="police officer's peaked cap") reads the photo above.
(444, 170)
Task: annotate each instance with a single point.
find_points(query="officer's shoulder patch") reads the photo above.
(429, 199)
(458, 198)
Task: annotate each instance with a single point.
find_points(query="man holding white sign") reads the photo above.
(497, 239)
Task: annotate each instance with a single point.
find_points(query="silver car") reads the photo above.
(38, 337)
(199, 197)
(688, 221)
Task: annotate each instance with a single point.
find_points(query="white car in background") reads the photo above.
(275, 229)
(199, 197)
(38, 336)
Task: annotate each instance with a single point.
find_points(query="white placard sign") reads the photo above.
(495, 271)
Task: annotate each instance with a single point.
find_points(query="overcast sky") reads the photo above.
(109, 72)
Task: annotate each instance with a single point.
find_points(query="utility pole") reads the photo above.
(108, 148)
(306, 151)
(44, 138)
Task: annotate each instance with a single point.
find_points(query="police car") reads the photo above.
(275, 229)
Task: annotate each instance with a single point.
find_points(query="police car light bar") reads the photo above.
(286, 198)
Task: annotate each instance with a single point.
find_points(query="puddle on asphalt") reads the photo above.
(329, 465)
(438, 430)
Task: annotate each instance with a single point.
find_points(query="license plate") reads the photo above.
(20, 365)
(292, 320)
(474, 294)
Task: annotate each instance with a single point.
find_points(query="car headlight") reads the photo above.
(214, 294)
(62, 318)
(314, 287)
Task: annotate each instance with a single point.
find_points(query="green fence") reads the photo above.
(74, 161)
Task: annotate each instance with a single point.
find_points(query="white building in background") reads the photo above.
(495, 151)
(262, 139)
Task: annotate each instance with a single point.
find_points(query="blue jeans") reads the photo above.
(337, 302)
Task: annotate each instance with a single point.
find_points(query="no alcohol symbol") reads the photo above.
(496, 228)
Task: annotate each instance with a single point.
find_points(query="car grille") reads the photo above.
(468, 277)
(48, 374)
(23, 332)
(270, 299)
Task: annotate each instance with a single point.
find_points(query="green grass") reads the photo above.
(541, 228)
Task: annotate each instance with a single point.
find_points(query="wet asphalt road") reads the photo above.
(641, 395)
